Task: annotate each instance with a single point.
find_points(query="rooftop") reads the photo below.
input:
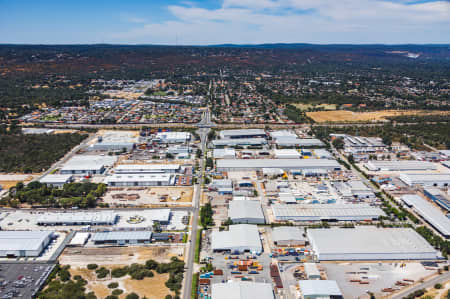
(22, 240)
(242, 290)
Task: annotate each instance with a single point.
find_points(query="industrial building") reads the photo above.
(439, 197)
(322, 154)
(56, 180)
(239, 142)
(87, 164)
(239, 238)
(246, 211)
(354, 189)
(319, 289)
(285, 164)
(429, 213)
(114, 141)
(224, 153)
(402, 165)
(224, 186)
(288, 236)
(147, 168)
(122, 238)
(311, 271)
(239, 134)
(369, 243)
(78, 218)
(426, 179)
(299, 142)
(287, 154)
(80, 239)
(140, 180)
(172, 137)
(24, 243)
(282, 134)
(330, 212)
(358, 144)
(242, 290)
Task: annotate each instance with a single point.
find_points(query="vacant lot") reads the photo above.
(350, 116)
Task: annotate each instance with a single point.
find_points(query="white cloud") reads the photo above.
(326, 21)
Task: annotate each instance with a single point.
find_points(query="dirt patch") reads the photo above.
(151, 287)
(304, 107)
(350, 116)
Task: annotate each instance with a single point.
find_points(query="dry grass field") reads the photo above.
(304, 107)
(375, 116)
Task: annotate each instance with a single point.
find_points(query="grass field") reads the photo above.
(305, 107)
(375, 116)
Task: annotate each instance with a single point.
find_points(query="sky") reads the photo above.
(206, 22)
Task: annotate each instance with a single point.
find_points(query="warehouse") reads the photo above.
(282, 134)
(23, 243)
(438, 197)
(56, 180)
(239, 142)
(311, 271)
(328, 212)
(140, 180)
(80, 239)
(286, 154)
(323, 289)
(285, 164)
(87, 164)
(429, 212)
(147, 168)
(426, 180)
(242, 290)
(78, 218)
(224, 186)
(288, 236)
(246, 211)
(172, 137)
(239, 238)
(375, 165)
(122, 238)
(369, 243)
(322, 154)
(224, 153)
(114, 141)
(240, 134)
(299, 142)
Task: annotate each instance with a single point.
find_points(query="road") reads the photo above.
(203, 133)
(427, 284)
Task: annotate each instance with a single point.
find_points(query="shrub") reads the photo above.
(132, 296)
(113, 285)
(117, 292)
(92, 266)
(102, 272)
(119, 272)
(438, 286)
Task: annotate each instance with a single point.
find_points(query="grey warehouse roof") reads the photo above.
(277, 163)
(23, 240)
(400, 165)
(244, 132)
(429, 212)
(107, 217)
(242, 290)
(122, 235)
(317, 288)
(55, 179)
(242, 209)
(369, 243)
(238, 236)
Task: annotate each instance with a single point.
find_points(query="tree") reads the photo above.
(338, 143)
(351, 159)
(132, 296)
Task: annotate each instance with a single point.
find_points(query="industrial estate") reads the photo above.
(215, 184)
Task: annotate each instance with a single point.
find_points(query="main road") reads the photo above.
(442, 279)
(203, 133)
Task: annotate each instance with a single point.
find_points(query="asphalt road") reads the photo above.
(203, 133)
(427, 284)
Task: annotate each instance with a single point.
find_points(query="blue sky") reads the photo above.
(202, 22)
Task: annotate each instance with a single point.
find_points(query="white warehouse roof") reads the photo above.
(121, 235)
(287, 233)
(369, 243)
(51, 179)
(80, 218)
(287, 153)
(318, 212)
(230, 134)
(23, 240)
(242, 290)
(239, 237)
(256, 164)
(319, 288)
(246, 211)
(143, 168)
(425, 178)
(429, 212)
(88, 162)
(399, 165)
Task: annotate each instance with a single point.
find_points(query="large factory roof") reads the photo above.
(242, 290)
(22, 240)
(239, 141)
(135, 168)
(238, 236)
(242, 209)
(226, 134)
(319, 288)
(89, 162)
(399, 165)
(56, 179)
(429, 212)
(121, 235)
(278, 163)
(108, 217)
(326, 211)
(369, 243)
(424, 177)
(146, 177)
